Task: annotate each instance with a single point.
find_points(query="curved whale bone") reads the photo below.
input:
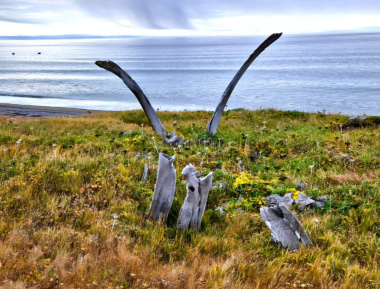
(136, 90)
(171, 138)
(212, 125)
(165, 189)
(193, 208)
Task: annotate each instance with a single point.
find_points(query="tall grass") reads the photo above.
(72, 207)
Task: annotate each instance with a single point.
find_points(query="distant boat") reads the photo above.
(39, 52)
(13, 53)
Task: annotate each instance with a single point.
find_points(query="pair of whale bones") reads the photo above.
(212, 125)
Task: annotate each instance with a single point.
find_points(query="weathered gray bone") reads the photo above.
(285, 227)
(205, 186)
(174, 139)
(304, 201)
(212, 126)
(193, 208)
(320, 201)
(165, 189)
(145, 174)
(136, 90)
(275, 199)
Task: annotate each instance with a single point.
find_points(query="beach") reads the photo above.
(31, 111)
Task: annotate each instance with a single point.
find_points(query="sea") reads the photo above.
(334, 73)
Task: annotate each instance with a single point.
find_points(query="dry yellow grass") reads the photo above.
(72, 207)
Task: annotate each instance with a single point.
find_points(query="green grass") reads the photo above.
(72, 207)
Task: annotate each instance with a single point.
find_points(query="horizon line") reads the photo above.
(92, 36)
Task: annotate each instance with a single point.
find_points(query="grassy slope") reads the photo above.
(72, 207)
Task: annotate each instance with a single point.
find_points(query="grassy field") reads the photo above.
(72, 206)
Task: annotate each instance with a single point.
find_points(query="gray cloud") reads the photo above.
(282, 6)
(171, 14)
(25, 20)
(163, 14)
(14, 11)
(30, 11)
(178, 14)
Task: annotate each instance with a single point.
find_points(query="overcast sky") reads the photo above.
(185, 17)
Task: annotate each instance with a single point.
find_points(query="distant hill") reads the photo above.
(69, 36)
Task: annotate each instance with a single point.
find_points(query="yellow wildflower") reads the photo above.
(242, 179)
(295, 195)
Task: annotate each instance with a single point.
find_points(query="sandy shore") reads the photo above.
(19, 111)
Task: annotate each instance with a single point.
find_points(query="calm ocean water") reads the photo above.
(336, 73)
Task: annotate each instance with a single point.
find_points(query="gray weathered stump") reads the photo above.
(165, 189)
(193, 208)
(285, 227)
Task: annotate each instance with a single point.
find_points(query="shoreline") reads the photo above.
(9, 110)
(34, 111)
